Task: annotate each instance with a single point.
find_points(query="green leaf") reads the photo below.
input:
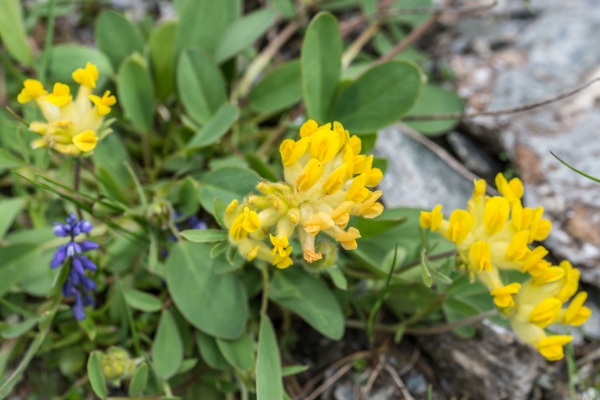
(9, 209)
(321, 60)
(167, 348)
(294, 370)
(136, 95)
(285, 7)
(218, 248)
(142, 301)
(162, 45)
(261, 167)
(222, 264)
(216, 127)
(72, 361)
(66, 58)
(427, 278)
(435, 100)
(201, 85)
(139, 380)
(278, 90)
(226, 184)
(382, 296)
(12, 32)
(455, 309)
(117, 37)
(14, 331)
(239, 352)
(215, 304)
(188, 197)
(373, 227)
(9, 161)
(310, 298)
(210, 351)
(379, 97)
(202, 23)
(243, 32)
(338, 277)
(269, 382)
(16, 262)
(95, 374)
(204, 235)
(576, 170)
(218, 210)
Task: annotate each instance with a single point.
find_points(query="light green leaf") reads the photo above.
(226, 184)
(19, 329)
(218, 210)
(435, 100)
(427, 278)
(216, 127)
(338, 277)
(321, 60)
(201, 85)
(139, 380)
(66, 58)
(261, 167)
(223, 265)
(188, 197)
(286, 7)
(269, 383)
(210, 351)
(279, 90)
(455, 309)
(215, 304)
(16, 262)
(379, 97)
(310, 298)
(167, 348)
(202, 23)
(142, 301)
(218, 248)
(204, 235)
(12, 31)
(293, 370)
(72, 361)
(243, 32)
(117, 37)
(9, 209)
(7, 160)
(162, 44)
(239, 352)
(136, 95)
(95, 374)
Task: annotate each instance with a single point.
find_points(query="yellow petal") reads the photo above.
(60, 96)
(32, 89)
(551, 347)
(310, 174)
(85, 141)
(480, 253)
(336, 180)
(460, 225)
(517, 249)
(495, 214)
(545, 312)
(433, 219)
(291, 151)
(503, 295)
(308, 128)
(324, 145)
(577, 313)
(86, 76)
(551, 274)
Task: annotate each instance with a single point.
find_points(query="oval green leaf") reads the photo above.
(117, 37)
(95, 375)
(269, 384)
(321, 60)
(12, 31)
(435, 100)
(218, 125)
(310, 298)
(215, 304)
(210, 351)
(204, 235)
(162, 44)
(136, 94)
(379, 97)
(167, 348)
(239, 353)
(226, 184)
(243, 32)
(200, 84)
(139, 380)
(279, 90)
(142, 301)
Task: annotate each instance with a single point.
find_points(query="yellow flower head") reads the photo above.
(503, 295)
(326, 182)
(70, 126)
(576, 314)
(32, 89)
(551, 347)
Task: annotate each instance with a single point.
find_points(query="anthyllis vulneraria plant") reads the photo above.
(77, 283)
(496, 233)
(72, 127)
(326, 181)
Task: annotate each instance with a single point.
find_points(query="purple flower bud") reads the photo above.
(88, 245)
(85, 226)
(67, 289)
(78, 307)
(59, 230)
(72, 219)
(74, 277)
(78, 265)
(59, 256)
(88, 284)
(87, 263)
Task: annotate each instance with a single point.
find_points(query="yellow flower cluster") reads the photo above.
(326, 181)
(71, 127)
(496, 233)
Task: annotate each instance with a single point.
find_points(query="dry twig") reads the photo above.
(396, 378)
(372, 377)
(338, 374)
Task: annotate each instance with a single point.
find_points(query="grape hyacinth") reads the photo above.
(77, 284)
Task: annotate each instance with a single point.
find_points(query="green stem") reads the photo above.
(264, 269)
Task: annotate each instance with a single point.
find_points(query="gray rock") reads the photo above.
(493, 365)
(591, 328)
(475, 159)
(416, 175)
(549, 54)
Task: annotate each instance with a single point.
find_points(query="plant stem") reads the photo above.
(264, 270)
(76, 182)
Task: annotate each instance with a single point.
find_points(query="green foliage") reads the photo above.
(136, 93)
(167, 348)
(435, 100)
(269, 384)
(117, 37)
(12, 31)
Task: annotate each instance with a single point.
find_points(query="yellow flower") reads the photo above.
(70, 127)
(104, 103)
(481, 256)
(325, 182)
(551, 347)
(433, 219)
(503, 295)
(460, 225)
(512, 190)
(545, 312)
(32, 89)
(576, 314)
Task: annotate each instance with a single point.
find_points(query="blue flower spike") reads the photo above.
(77, 285)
